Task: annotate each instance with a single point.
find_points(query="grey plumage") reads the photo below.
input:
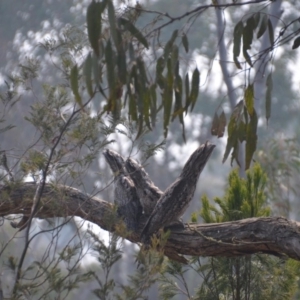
(125, 194)
(175, 200)
(147, 191)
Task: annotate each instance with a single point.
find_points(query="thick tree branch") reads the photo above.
(276, 236)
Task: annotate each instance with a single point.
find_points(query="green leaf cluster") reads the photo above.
(244, 31)
(244, 198)
(252, 276)
(118, 50)
(242, 127)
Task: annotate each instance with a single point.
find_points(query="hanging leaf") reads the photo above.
(132, 107)
(142, 70)
(215, 125)
(169, 44)
(112, 24)
(247, 57)
(178, 107)
(134, 31)
(269, 83)
(263, 26)
(185, 42)
(237, 36)
(296, 43)
(96, 66)
(74, 85)
(168, 97)
(146, 102)
(131, 52)
(88, 74)
(247, 39)
(110, 63)
(251, 139)
(222, 124)
(132, 95)
(249, 99)
(233, 132)
(248, 33)
(111, 79)
(256, 18)
(242, 129)
(174, 56)
(160, 65)
(271, 32)
(153, 105)
(187, 91)
(93, 20)
(122, 66)
(195, 88)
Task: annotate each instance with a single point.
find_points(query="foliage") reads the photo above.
(247, 277)
(114, 73)
(281, 163)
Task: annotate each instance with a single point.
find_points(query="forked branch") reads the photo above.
(276, 236)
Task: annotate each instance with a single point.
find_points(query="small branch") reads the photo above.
(197, 10)
(273, 235)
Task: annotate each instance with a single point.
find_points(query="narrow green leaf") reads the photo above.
(167, 97)
(132, 107)
(122, 66)
(153, 105)
(251, 139)
(146, 102)
(269, 83)
(185, 42)
(112, 24)
(169, 44)
(178, 108)
(215, 125)
(88, 74)
(242, 131)
(140, 126)
(195, 88)
(174, 56)
(256, 18)
(96, 66)
(142, 70)
(110, 63)
(237, 36)
(134, 31)
(249, 99)
(110, 66)
(160, 65)
(187, 91)
(247, 57)
(132, 94)
(263, 26)
(218, 125)
(247, 38)
(271, 32)
(74, 85)
(131, 52)
(233, 133)
(93, 20)
(248, 33)
(296, 43)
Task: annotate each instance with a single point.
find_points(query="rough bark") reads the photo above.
(273, 235)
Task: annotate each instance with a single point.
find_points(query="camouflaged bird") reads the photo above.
(147, 191)
(175, 200)
(125, 194)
